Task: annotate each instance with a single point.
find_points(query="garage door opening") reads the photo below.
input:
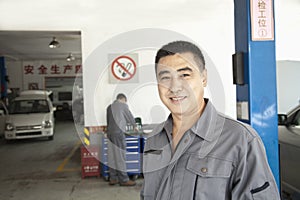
(31, 64)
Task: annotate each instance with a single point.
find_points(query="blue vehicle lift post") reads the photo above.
(3, 83)
(254, 72)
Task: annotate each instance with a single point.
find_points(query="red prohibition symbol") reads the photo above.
(123, 68)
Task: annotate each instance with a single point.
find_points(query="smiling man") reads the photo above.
(199, 153)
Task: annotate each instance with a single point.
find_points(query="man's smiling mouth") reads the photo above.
(178, 99)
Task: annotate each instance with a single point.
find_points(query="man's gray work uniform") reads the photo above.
(118, 115)
(217, 159)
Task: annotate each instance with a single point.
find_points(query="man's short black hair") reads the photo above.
(181, 47)
(121, 96)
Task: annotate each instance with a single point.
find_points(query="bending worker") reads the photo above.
(118, 116)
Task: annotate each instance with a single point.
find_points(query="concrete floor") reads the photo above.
(36, 169)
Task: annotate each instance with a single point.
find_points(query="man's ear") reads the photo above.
(204, 77)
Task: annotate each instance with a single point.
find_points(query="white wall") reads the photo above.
(209, 23)
(287, 29)
(143, 96)
(288, 82)
(14, 69)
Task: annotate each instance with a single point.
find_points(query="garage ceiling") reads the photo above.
(33, 45)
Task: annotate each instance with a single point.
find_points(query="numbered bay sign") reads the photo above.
(123, 68)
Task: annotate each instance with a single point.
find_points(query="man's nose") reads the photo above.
(176, 85)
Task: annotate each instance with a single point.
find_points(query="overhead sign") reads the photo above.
(51, 68)
(262, 21)
(123, 68)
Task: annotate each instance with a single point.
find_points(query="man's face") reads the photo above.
(181, 84)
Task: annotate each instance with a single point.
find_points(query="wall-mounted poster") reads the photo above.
(33, 86)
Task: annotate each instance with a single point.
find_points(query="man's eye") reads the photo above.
(165, 78)
(184, 75)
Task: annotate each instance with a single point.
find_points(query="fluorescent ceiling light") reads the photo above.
(70, 57)
(54, 43)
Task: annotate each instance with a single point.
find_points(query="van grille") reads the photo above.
(31, 127)
(29, 133)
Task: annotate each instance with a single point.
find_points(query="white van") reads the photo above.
(31, 115)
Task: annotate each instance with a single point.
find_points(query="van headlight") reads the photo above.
(47, 124)
(9, 127)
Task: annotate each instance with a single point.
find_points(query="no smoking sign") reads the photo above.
(123, 68)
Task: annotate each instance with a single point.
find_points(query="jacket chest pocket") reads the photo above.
(211, 177)
(153, 169)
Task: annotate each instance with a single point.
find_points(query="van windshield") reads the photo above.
(29, 106)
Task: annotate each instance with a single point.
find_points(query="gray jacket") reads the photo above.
(217, 159)
(117, 116)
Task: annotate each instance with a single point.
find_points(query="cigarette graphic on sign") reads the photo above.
(123, 72)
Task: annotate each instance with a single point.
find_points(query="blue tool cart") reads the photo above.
(133, 156)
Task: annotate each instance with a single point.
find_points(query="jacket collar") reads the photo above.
(206, 124)
(205, 128)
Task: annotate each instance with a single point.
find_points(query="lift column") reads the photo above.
(254, 72)
(3, 84)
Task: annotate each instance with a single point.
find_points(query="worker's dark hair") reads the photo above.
(121, 96)
(181, 47)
